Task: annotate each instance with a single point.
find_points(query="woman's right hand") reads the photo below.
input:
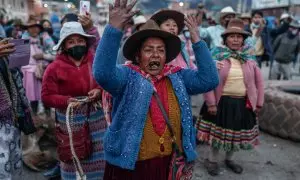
(6, 48)
(212, 110)
(192, 24)
(120, 13)
(220, 65)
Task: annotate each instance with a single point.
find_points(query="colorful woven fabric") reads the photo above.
(245, 54)
(93, 167)
(227, 139)
(232, 129)
(107, 106)
(9, 98)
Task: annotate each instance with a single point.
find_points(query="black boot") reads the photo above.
(213, 168)
(47, 111)
(234, 167)
(34, 106)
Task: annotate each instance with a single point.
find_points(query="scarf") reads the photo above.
(8, 95)
(160, 86)
(246, 53)
(14, 104)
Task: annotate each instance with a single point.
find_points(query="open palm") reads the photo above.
(120, 13)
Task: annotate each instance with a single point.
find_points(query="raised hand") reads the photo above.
(86, 21)
(192, 24)
(6, 48)
(199, 16)
(120, 13)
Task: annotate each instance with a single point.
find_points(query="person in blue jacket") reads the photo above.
(138, 144)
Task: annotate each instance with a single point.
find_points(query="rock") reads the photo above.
(39, 148)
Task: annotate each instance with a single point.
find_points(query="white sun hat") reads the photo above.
(284, 16)
(139, 20)
(227, 10)
(68, 29)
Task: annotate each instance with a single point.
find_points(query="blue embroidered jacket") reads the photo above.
(132, 94)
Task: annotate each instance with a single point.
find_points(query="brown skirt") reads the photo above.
(152, 169)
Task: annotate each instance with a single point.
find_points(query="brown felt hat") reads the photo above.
(151, 29)
(32, 23)
(235, 26)
(162, 15)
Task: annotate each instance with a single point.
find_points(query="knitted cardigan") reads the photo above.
(132, 94)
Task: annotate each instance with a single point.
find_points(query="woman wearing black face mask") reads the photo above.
(47, 27)
(69, 87)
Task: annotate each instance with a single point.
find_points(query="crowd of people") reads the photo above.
(122, 103)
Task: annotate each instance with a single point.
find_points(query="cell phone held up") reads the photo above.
(84, 7)
(21, 56)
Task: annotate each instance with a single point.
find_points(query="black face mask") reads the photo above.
(49, 30)
(291, 35)
(77, 52)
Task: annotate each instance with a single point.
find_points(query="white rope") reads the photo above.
(79, 171)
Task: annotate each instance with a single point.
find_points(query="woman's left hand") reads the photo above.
(192, 24)
(39, 56)
(86, 21)
(257, 110)
(220, 65)
(94, 94)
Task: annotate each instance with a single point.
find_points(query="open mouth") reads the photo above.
(154, 65)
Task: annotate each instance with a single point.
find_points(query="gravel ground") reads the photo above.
(273, 159)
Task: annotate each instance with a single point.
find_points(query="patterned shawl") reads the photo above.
(246, 53)
(14, 104)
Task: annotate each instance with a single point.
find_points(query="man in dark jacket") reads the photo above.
(286, 48)
(263, 48)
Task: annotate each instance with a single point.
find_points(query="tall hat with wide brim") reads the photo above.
(68, 29)
(245, 16)
(151, 29)
(139, 20)
(284, 16)
(32, 23)
(162, 15)
(235, 26)
(226, 11)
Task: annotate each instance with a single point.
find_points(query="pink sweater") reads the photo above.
(253, 81)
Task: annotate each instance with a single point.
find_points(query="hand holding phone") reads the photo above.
(86, 21)
(84, 7)
(21, 53)
(6, 47)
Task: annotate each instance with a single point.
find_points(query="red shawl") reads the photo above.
(160, 86)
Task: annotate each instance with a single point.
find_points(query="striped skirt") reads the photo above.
(94, 166)
(233, 128)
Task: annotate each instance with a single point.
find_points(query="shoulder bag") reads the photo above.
(179, 169)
